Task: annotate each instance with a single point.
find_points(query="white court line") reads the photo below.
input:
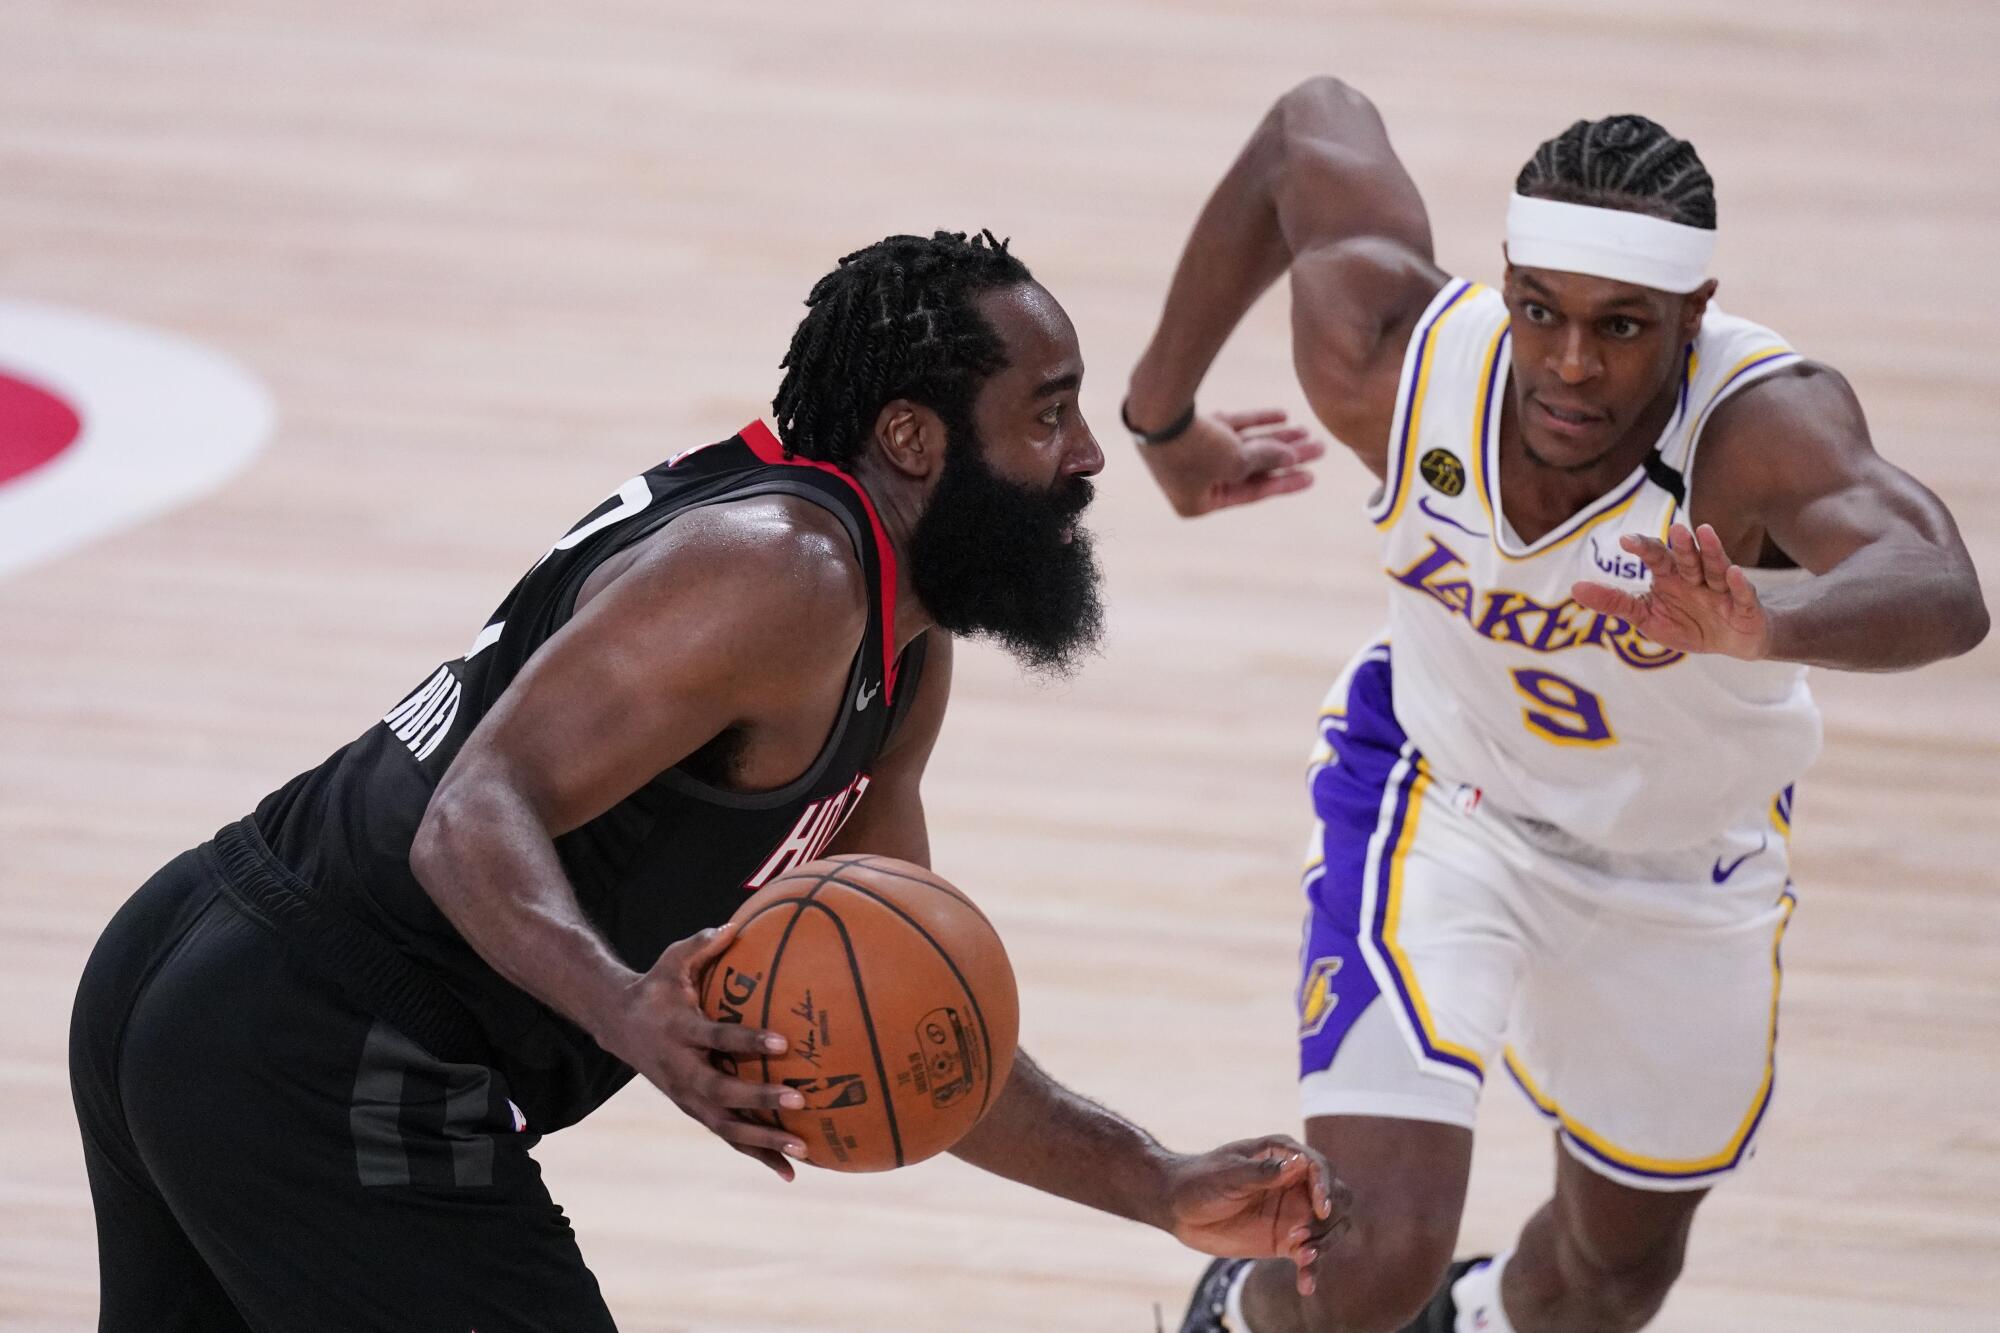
(165, 420)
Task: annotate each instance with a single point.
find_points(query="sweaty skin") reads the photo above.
(742, 620)
(1786, 475)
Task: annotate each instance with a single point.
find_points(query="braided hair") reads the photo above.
(1626, 162)
(895, 320)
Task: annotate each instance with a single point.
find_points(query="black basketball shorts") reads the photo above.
(266, 1154)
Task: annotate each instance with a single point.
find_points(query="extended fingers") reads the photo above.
(1714, 561)
(724, 1090)
(695, 1029)
(1300, 445)
(776, 1161)
(1652, 552)
(754, 1138)
(1610, 601)
(1259, 416)
(1742, 594)
(1272, 465)
(1686, 555)
(1261, 487)
(1279, 430)
(1263, 453)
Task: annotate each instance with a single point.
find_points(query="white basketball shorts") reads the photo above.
(1634, 999)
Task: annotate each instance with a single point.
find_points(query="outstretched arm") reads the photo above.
(1790, 464)
(1255, 1198)
(1319, 192)
(1258, 1198)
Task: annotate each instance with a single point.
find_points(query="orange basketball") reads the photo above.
(896, 997)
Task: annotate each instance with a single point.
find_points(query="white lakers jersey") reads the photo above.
(1501, 680)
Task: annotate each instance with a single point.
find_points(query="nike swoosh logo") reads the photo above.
(867, 696)
(1721, 873)
(1424, 503)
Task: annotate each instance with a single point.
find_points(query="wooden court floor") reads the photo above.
(492, 258)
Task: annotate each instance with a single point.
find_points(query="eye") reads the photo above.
(1053, 415)
(1538, 313)
(1623, 327)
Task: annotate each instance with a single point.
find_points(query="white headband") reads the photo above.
(1608, 243)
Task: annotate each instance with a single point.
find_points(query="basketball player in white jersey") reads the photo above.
(1553, 798)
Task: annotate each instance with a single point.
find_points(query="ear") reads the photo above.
(1693, 306)
(910, 437)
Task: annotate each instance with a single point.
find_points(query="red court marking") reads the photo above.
(35, 426)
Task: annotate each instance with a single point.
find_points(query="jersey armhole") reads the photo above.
(677, 777)
(1411, 386)
(638, 532)
(910, 673)
(1756, 366)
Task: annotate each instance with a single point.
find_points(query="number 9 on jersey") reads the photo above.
(1561, 711)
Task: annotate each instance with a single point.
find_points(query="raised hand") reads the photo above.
(664, 1035)
(1270, 1198)
(1232, 458)
(1698, 602)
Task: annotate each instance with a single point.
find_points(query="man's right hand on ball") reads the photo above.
(661, 1031)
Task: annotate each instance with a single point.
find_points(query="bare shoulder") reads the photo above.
(1806, 396)
(773, 564)
(1782, 448)
(1804, 418)
(1354, 306)
(1356, 295)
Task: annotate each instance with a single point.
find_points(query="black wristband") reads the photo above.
(1167, 434)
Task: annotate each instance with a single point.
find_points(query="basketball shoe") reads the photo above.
(1206, 1308)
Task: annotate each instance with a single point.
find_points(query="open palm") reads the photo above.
(1698, 602)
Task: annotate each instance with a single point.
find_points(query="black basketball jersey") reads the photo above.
(675, 857)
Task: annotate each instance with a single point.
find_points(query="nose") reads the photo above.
(1575, 360)
(1086, 459)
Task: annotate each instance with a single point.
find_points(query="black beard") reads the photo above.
(988, 559)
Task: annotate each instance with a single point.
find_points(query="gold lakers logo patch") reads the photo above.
(1316, 997)
(1441, 468)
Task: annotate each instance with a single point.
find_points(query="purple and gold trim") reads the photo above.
(1396, 484)
(1781, 812)
(1368, 790)
(1586, 1143)
(1382, 898)
(1754, 365)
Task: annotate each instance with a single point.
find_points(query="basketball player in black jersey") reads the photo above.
(310, 1056)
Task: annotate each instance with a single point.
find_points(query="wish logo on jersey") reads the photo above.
(1616, 562)
(1505, 616)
